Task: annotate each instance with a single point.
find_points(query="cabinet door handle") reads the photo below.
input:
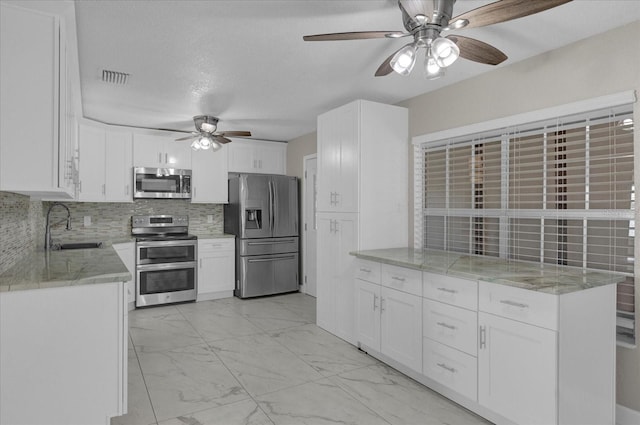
(399, 279)
(381, 304)
(126, 189)
(375, 302)
(445, 367)
(446, 325)
(514, 303)
(160, 157)
(104, 189)
(200, 263)
(194, 191)
(483, 337)
(336, 196)
(362, 269)
(166, 158)
(450, 291)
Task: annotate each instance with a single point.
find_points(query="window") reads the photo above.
(558, 191)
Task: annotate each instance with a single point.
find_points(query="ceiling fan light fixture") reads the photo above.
(209, 128)
(431, 68)
(404, 59)
(444, 51)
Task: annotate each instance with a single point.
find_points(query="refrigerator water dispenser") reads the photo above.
(253, 218)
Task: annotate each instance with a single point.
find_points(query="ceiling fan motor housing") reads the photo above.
(206, 123)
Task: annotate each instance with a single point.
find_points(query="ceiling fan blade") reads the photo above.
(385, 67)
(362, 35)
(478, 51)
(222, 139)
(505, 10)
(235, 133)
(192, 136)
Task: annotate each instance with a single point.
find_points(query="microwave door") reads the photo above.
(255, 206)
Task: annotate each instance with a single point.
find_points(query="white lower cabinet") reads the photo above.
(389, 321)
(512, 355)
(517, 365)
(126, 252)
(336, 294)
(216, 269)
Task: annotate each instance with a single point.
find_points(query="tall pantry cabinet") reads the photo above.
(361, 199)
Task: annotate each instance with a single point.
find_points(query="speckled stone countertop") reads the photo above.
(548, 278)
(74, 267)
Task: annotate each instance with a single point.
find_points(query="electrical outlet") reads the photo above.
(209, 218)
(87, 220)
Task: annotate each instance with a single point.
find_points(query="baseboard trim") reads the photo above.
(626, 416)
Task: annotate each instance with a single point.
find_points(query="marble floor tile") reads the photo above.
(269, 315)
(319, 402)
(261, 364)
(244, 412)
(161, 329)
(324, 352)
(139, 410)
(401, 400)
(219, 322)
(185, 380)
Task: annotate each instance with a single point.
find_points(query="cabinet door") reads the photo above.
(119, 167)
(92, 163)
(368, 314)
(176, 154)
(215, 272)
(328, 160)
(517, 370)
(209, 180)
(148, 150)
(325, 292)
(401, 327)
(272, 157)
(345, 228)
(348, 125)
(29, 83)
(241, 157)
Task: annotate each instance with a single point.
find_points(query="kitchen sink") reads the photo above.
(80, 245)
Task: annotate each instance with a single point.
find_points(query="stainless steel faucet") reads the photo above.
(47, 233)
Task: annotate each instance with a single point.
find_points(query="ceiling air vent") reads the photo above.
(115, 77)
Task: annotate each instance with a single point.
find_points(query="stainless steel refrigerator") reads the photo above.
(263, 214)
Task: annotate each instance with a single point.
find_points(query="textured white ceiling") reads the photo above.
(245, 61)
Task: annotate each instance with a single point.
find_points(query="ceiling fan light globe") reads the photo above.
(209, 128)
(431, 68)
(205, 142)
(444, 51)
(195, 145)
(404, 60)
(215, 146)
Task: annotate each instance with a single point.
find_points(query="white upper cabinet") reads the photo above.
(209, 176)
(105, 164)
(35, 158)
(257, 156)
(160, 151)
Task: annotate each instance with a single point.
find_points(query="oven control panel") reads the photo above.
(159, 220)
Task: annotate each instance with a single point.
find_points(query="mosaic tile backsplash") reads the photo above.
(22, 221)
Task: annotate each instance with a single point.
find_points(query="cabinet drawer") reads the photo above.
(451, 290)
(535, 308)
(368, 270)
(451, 368)
(452, 326)
(402, 279)
(209, 245)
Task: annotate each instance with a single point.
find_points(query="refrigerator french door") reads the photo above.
(263, 214)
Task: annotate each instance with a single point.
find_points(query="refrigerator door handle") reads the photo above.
(271, 206)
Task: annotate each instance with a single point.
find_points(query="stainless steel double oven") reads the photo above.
(166, 260)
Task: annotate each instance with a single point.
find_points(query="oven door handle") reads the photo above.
(157, 244)
(166, 266)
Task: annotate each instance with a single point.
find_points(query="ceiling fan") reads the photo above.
(425, 20)
(207, 137)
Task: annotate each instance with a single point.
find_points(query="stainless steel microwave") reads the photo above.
(161, 183)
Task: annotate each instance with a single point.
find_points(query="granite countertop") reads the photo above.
(547, 278)
(74, 267)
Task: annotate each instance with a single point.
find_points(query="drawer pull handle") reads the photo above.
(450, 291)
(446, 325)
(365, 270)
(514, 304)
(445, 367)
(400, 279)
